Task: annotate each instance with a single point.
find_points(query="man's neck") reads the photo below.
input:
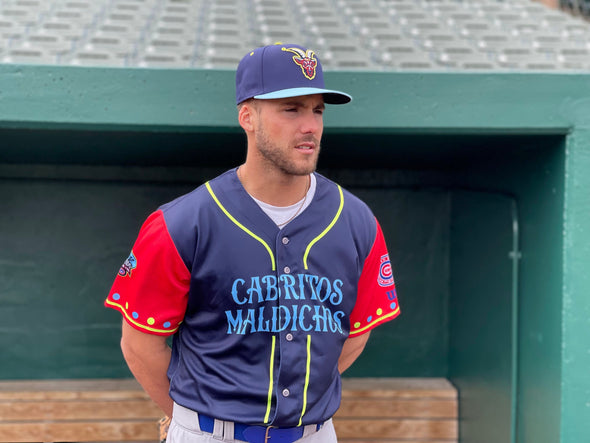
(273, 187)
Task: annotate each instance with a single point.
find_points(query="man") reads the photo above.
(270, 276)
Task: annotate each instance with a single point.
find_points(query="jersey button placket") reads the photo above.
(285, 242)
(287, 260)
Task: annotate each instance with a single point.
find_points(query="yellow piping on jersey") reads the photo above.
(131, 320)
(271, 377)
(307, 370)
(364, 328)
(325, 231)
(241, 226)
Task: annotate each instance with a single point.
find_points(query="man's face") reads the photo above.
(288, 133)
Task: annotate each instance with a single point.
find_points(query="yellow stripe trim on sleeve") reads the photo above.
(271, 378)
(241, 226)
(131, 320)
(325, 231)
(307, 370)
(368, 326)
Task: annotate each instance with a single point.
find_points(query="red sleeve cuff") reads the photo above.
(377, 301)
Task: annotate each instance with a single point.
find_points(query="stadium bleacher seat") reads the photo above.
(575, 58)
(347, 34)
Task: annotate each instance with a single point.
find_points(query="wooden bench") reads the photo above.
(77, 411)
(373, 410)
(397, 410)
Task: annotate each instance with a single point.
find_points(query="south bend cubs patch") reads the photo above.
(385, 277)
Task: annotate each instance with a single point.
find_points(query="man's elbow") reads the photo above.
(135, 345)
(128, 348)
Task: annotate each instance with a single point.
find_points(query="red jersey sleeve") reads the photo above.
(376, 301)
(151, 288)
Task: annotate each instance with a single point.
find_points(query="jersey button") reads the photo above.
(287, 270)
(286, 392)
(289, 337)
(285, 240)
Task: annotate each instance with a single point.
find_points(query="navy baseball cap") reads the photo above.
(281, 71)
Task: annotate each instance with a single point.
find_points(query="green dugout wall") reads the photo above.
(479, 180)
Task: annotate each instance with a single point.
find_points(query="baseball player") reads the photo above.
(270, 277)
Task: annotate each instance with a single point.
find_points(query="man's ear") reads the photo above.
(247, 116)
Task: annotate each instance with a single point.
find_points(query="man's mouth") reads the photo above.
(306, 146)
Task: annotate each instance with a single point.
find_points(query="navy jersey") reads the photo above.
(259, 314)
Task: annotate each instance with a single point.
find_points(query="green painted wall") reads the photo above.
(126, 128)
(482, 305)
(416, 226)
(189, 100)
(61, 240)
(575, 361)
(532, 173)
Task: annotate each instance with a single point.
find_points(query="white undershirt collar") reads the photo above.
(282, 214)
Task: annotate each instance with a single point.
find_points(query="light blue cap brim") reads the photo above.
(330, 96)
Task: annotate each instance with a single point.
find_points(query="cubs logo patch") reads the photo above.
(305, 60)
(128, 266)
(385, 277)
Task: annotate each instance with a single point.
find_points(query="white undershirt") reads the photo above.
(280, 214)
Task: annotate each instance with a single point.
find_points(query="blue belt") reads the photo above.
(257, 434)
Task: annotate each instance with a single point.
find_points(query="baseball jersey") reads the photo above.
(259, 314)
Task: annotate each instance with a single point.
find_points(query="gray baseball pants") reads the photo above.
(184, 428)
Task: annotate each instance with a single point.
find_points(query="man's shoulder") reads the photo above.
(355, 220)
(351, 203)
(187, 215)
(196, 199)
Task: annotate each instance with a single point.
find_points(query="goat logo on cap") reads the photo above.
(306, 60)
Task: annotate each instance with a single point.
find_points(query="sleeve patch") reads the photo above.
(385, 277)
(128, 266)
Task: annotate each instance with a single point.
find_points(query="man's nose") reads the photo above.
(312, 123)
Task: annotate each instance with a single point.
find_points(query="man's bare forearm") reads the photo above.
(148, 357)
(352, 348)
